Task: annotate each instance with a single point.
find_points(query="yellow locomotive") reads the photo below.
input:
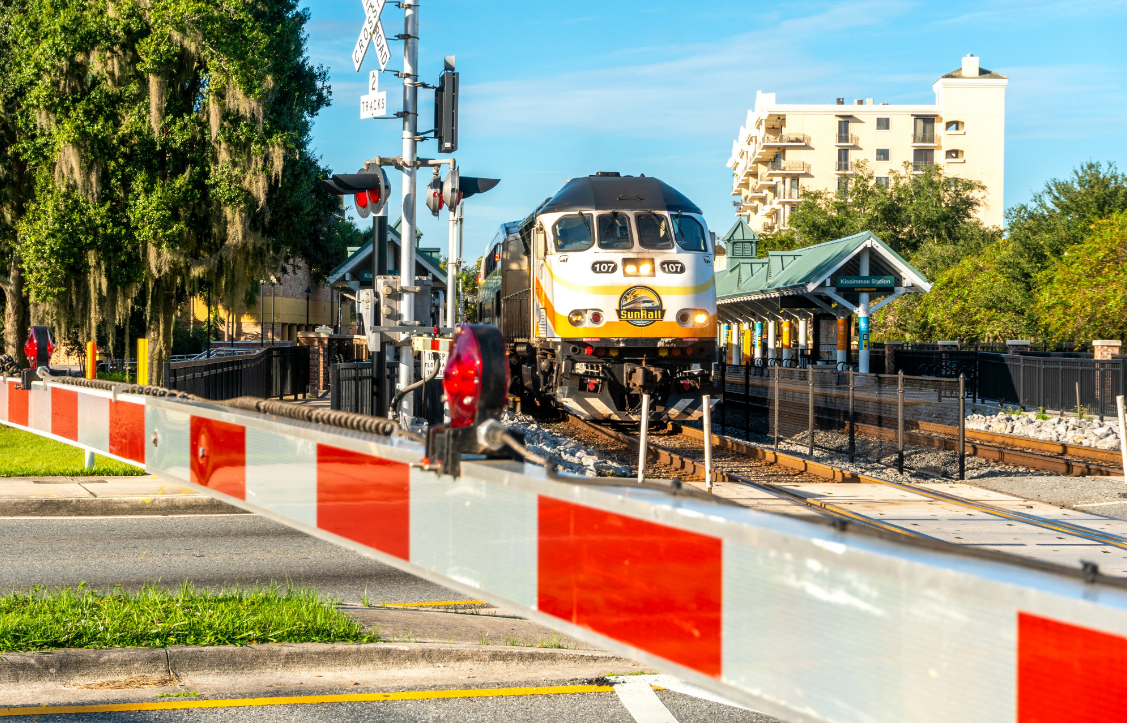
(606, 292)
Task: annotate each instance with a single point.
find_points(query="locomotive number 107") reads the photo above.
(604, 267)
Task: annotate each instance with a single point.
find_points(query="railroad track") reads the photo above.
(1064, 459)
(689, 467)
(683, 451)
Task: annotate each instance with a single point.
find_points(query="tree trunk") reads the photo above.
(16, 321)
(162, 315)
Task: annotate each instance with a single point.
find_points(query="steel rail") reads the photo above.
(1068, 528)
(690, 466)
(1066, 459)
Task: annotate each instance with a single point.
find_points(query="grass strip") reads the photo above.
(154, 617)
(23, 454)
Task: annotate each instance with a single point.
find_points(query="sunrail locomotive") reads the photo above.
(605, 292)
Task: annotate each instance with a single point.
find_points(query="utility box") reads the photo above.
(390, 293)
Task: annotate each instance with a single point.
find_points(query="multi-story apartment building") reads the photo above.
(784, 150)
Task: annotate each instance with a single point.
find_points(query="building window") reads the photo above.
(882, 154)
(882, 181)
(842, 184)
(954, 126)
(883, 124)
(843, 159)
(843, 131)
(923, 130)
(953, 154)
(922, 158)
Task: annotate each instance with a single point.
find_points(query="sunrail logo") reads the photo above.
(640, 306)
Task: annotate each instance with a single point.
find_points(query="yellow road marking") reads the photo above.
(433, 604)
(308, 700)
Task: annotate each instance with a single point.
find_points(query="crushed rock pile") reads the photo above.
(1069, 430)
(566, 453)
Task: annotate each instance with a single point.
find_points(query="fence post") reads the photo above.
(723, 395)
(852, 437)
(900, 423)
(747, 399)
(776, 408)
(962, 428)
(810, 398)
(168, 383)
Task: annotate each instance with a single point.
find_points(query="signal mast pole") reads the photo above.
(410, 155)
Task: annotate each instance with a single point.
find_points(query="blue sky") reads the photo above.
(551, 91)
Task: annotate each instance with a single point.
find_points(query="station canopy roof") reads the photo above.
(356, 271)
(810, 278)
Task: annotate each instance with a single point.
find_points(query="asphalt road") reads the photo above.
(582, 708)
(208, 551)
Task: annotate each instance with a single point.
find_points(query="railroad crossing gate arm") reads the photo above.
(795, 619)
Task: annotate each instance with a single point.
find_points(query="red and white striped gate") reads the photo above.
(795, 619)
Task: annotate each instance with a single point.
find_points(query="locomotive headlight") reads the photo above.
(577, 318)
(637, 267)
(692, 317)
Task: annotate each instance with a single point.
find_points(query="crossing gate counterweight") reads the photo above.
(797, 620)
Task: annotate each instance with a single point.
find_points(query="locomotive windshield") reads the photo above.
(653, 231)
(573, 232)
(689, 233)
(614, 232)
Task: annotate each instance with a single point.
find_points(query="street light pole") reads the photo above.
(273, 302)
(308, 291)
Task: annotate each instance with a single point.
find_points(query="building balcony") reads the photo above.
(785, 168)
(924, 139)
(786, 139)
(846, 167)
(921, 166)
(789, 195)
(768, 226)
(762, 182)
(846, 139)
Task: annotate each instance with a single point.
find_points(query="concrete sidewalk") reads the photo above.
(102, 496)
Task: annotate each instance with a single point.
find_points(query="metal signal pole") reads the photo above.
(410, 155)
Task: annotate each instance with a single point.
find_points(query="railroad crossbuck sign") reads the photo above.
(371, 32)
(798, 620)
(374, 104)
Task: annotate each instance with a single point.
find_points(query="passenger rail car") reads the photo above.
(606, 292)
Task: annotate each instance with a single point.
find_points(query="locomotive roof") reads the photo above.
(619, 193)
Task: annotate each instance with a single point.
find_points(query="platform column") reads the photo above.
(786, 339)
(842, 339)
(772, 350)
(803, 345)
(758, 342)
(863, 318)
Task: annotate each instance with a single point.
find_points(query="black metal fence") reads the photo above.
(1047, 380)
(1085, 385)
(273, 372)
(909, 423)
(352, 391)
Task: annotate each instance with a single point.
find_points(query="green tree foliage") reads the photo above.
(168, 143)
(1061, 215)
(927, 218)
(976, 299)
(1084, 295)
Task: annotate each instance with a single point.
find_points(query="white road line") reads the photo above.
(71, 518)
(677, 686)
(642, 702)
(1101, 504)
